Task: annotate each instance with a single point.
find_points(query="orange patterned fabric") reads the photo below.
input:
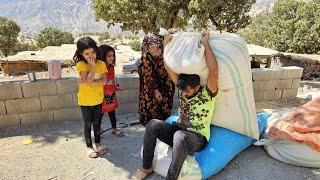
(301, 125)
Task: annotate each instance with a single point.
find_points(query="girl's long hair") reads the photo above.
(83, 44)
(103, 53)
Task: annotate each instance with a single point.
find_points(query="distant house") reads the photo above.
(260, 52)
(37, 60)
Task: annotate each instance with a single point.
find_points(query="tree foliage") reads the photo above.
(291, 26)
(9, 31)
(54, 37)
(227, 16)
(150, 15)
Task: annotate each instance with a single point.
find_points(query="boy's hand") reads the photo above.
(167, 39)
(205, 38)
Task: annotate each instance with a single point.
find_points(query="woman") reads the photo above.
(156, 88)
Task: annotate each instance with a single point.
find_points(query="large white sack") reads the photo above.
(294, 153)
(162, 159)
(235, 106)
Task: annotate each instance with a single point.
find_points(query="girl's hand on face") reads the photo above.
(91, 61)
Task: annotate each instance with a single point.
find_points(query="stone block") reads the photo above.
(9, 121)
(134, 95)
(272, 95)
(56, 102)
(10, 90)
(278, 74)
(260, 74)
(258, 96)
(123, 96)
(267, 85)
(24, 105)
(39, 88)
(284, 84)
(293, 72)
(296, 83)
(256, 85)
(3, 110)
(67, 86)
(128, 81)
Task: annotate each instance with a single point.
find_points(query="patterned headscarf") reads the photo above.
(151, 40)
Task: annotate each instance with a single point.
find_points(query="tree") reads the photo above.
(148, 15)
(9, 31)
(291, 26)
(227, 16)
(54, 37)
(103, 36)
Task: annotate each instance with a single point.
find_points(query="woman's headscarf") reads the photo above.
(151, 40)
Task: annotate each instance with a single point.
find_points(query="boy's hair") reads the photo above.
(185, 80)
(83, 44)
(103, 53)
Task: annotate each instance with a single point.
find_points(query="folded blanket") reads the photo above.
(300, 125)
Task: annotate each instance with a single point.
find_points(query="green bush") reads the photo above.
(135, 45)
(104, 36)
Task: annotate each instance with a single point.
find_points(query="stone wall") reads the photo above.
(311, 67)
(51, 101)
(273, 84)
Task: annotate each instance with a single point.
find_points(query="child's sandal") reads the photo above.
(101, 149)
(118, 133)
(91, 153)
(139, 175)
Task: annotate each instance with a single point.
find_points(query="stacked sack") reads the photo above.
(185, 54)
(293, 136)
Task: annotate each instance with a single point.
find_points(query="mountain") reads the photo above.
(75, 16)
(262, 6)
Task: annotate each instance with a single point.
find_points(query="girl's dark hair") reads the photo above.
(103, 53)
(83, 44)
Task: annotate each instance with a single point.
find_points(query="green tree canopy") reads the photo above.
(9, 31)
(54, 37)
(147, 15)
(150, 15)
(291, 26)
(227, 16)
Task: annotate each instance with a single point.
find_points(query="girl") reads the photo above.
(110, 103)
(90, 96)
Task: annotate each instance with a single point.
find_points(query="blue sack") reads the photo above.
(223, 146)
